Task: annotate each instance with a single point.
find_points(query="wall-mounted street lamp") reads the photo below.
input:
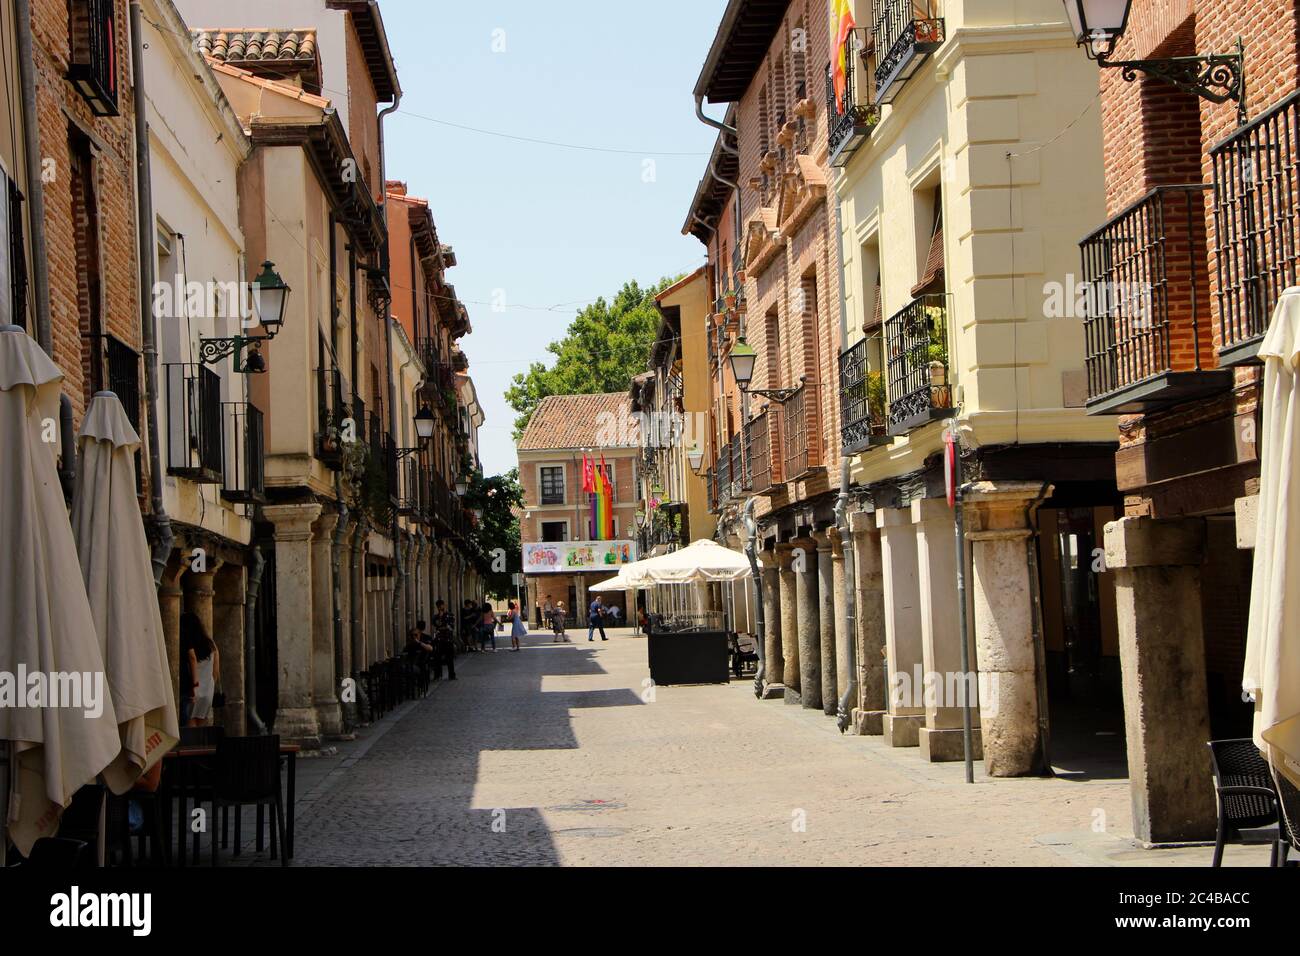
(743, 358)
(269, 296)
(423, 431)
(1098, 26)
(462, 486)
(695, 457)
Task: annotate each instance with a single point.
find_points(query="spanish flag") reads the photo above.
(842, 25)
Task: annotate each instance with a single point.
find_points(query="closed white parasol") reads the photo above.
(1272, 671)
(116, 568)
(55, 709)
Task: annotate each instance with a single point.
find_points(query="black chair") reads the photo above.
(198, 779)
(59, 853)
(201, 736)
(1247, 800)
(247, 773)
(1289, 797)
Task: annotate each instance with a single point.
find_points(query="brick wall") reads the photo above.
(577, 508)
(1155, 135)
(808, 325)
(113, 179)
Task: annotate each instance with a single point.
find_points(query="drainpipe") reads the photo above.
(251, 589)
(162, 547)
(388, 349)
(721, 127)
(845, 715)
(336, 596)
(751, 552)
(35, 189)
(713, 171)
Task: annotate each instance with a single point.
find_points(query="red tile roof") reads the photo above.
(582, 421)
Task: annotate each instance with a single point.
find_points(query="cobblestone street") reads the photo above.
(555, 746)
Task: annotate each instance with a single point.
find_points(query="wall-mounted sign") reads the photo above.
(567, 557)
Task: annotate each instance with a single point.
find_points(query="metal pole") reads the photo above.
(751, 551)
(844, 717)
(960, 524)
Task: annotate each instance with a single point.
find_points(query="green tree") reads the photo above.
(499, 498)
(605, 345)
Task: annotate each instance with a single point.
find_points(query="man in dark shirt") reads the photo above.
(596, 619)
(444, 643)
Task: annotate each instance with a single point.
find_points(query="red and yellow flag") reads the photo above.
(842, 24)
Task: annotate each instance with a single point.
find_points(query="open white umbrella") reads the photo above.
(701, 562)
(47, 633)
(616, 583)
(116, 567)
(1272, 672)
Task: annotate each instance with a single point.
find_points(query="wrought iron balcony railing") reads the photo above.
(1257, 232)
(1147, 329)
(849, 123)
(415, 493)
(763, 448)
(863, 408)
(918, 386)
(722, 475)
(906, 32)
(801, 419)
(92, 54)
(332, 400)
(193, 422)
(244, 446)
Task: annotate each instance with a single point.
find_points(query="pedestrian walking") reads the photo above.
(203, 672)
(470, 621)
(444, 642)
(488, 628)
(596, 619)
(548, 609)
(517, 627)
(557, 624)
(615, 614)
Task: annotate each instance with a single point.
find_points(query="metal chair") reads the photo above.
(1243, 787)
(1289, 798)
(59, 853)
(247, 773)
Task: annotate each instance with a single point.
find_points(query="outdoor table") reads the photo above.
(689, 657)
(178, 763)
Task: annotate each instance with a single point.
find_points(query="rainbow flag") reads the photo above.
(842, 24)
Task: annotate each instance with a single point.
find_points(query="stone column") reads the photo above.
(999, 529)
(868, 716)
(826, 619)
(941, 738)
(840, 614)
(295, 717)
(169, 606)
(773, 657)
(1156, 564)
(580, 586)
(902, 607)
(788, 606)
(228, 632)
(329, 717)
(808, 622)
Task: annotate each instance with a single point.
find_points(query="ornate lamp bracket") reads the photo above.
(1217, 77)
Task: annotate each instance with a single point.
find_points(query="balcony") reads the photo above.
(1147, 328)
(801, 423)
(1257, 233)
(92, 59)
(863, 409)
(332, 412)
(122, 368)
(906, 32)
(849, 127)
(763, 448)
(244, 460)
(415, 497)
(193, 394)
(918, 387)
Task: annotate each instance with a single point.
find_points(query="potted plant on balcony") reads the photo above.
(876, 402)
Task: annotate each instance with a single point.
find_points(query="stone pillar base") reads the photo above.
(793, 697)
(902, 730)
(329, 718)
(942, 746)
(868, 723)
(297, 725)
(774, 692)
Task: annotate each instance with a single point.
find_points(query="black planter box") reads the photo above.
(689, 657)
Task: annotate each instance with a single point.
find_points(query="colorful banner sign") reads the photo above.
(567, 557)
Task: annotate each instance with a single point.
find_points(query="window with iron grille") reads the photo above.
(553, 485)
(13, 255)
(92, 53)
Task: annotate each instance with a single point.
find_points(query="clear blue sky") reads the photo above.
(549, 226)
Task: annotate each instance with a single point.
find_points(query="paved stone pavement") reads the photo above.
(552, 756)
